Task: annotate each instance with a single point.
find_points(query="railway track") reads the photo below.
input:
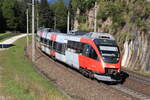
(140, 78)
(138, 94)
(136, 85)
(131, 92)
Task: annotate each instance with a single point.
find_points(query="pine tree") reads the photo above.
(9, 13)
(45, 14)
(21, 15)
(2, 23)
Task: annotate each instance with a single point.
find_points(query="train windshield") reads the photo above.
(108, 50)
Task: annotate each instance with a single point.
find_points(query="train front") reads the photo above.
(110, 60)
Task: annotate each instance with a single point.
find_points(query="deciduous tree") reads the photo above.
(60, 12)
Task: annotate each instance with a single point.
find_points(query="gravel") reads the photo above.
(72, 83)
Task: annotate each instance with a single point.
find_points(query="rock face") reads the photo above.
(136, 54)
(76, 23)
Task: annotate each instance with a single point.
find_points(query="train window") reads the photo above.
(41, 40)
(50, 44)
(59, 47)
(86, 50)
(80, 47)
(93, 54)
(76, 46)
(54, 45)
(63, 48)
(89, 52)
(70, 44)
(45, 41)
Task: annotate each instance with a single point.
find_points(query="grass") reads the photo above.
(19, 81)
(4, 36)
(1, 34)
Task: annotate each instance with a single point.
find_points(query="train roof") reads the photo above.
(77, 32)
(91, 35)
(99, 35)
(84, 34)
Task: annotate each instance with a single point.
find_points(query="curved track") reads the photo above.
(79, 87)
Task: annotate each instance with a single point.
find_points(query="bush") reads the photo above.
(114, 10)
(84, 27)
(82, 19)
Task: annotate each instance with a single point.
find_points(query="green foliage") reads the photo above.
(84, 27)
(114, 10)
(60, 13)
(12, 15)
(8, 10)
(83, 5)
(21, 15)
(45, 14)
(82, 19)
(2, 23)
(140, 15)
(136, 12)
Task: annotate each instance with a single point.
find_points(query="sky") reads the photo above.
(52, 0)
(66, 1)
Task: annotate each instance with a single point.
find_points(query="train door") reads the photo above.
(89, 58)
(72, 59)
(71, 55)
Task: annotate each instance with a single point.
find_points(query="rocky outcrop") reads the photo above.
(136, 54)
(76, 23)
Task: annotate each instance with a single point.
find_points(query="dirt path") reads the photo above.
(9, 42)
(73, 83)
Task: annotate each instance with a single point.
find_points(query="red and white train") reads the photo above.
(96, 55)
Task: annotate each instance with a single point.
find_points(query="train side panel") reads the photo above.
(72, 58)
(61, 39)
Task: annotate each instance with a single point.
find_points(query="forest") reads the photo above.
(13, 15)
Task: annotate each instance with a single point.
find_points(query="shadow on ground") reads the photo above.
(6, 45)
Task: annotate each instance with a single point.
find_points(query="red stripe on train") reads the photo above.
(53, 38)
(89, 63)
